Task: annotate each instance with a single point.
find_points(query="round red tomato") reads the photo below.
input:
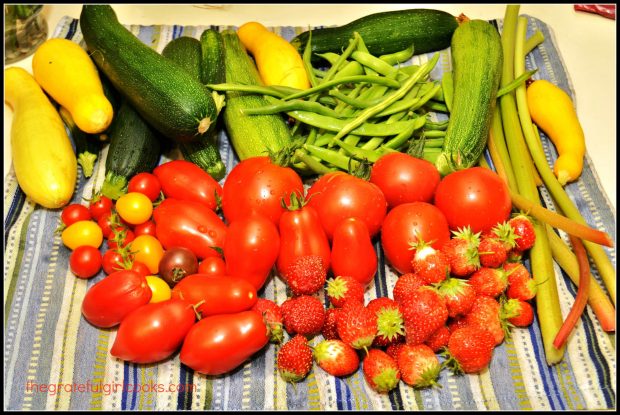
(99, 206)
(475, 197)
(407, 223)
(146, 183)
(74, 212)
(403, 178)
(140, 268)
(212, 265)
(85, 261)
(112, 261)
(146, 228)
(258, 185)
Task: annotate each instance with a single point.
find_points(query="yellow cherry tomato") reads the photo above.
(160, 289)
(148, 250)
(135, 208)
(83, 232)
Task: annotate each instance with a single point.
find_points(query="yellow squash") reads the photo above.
(66, 72)
(43, 158)
(552, 110)
(277, 61)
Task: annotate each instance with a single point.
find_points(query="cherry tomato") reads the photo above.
(340, 196)
(160, 289)
(251, 248)
(74, 212)
(85, 261)
(220, 343)
(113, 261)
(108, 301)
(140, 268)
(146, 228)
(475, 197)
(134, 207)
(153, 332)
(109, 221)
(256, 184)
(100, 205)
(184, 180)
(120, 236)
(212, 265)
(145, 183)
(402, 227)
(83, 232)
(176, 264)
(353, 253)
(148, 250)
(403, 178)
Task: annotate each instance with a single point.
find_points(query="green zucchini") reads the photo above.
(213, 57)
(250, 135)
(87, 146)
(477, 60)
(204, 152)
(167, 97)
(385, 32)
(135, 147)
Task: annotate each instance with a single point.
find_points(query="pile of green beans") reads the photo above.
(358, 108)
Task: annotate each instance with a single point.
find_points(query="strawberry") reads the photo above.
(469, 349)
(429, 263)
(342, 288)
(356, 325)
(458, 294)
(306, 275)
(406, 285)
(485, 313)
(519, 313)
(462, 252)
(294, 359)
(439, 339)
(492, 252)
(524, 229)
(489, 281)
(418, 365)
(272, 316)
(336, 357)
(380, 371)
(393, 349)
(521, 285)
(330, 331)
(505, 234)
(423, 312)
(390, 326)
(303, 315)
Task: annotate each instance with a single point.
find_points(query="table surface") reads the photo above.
(586, 41)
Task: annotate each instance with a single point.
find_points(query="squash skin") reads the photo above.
(43, 158)
(66, 72)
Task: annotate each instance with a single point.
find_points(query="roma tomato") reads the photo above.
(218, 344)
(176, 264)
(258, 185)
(353, 253)
(145, 183)
(341, 196)
(184, 180)
(85, 261)
(402, 227)
(218, 294)
(153, 332)
(83, 232)
(100, 205)
(108, 301)
(251, 248)
(148, 250)
(191, 225)
(403, 178)
(134, 208)
(476, 197)
(212, 265)
(74, 212)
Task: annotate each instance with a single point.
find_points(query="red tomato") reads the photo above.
(146, 228)
(341, 196)
(100, 205)
(111, 299)
(212, 265)
(112, 261)
(190, 225)
(141, 268)
(120, 236)
(256, 184)
(301, 234)
(146, 183)
(251, 248)
(353, 253)
(218, 344)
(153, 332)
(85, 261)
(218, 295)
(475, 197)
(404, 224)
(403, 178)
(74, 212)
(184, 180)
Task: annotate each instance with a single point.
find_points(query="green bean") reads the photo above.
(374, 63)
(437, 106)
(517, 82)
(410, 104)
(398, 57)
(306, 59)
(434, 134)
(252, 89)
(330, 57)
(344, 80)
(292, 105)
(440, 125)
(342, 58)
(360, 153)
(312, 162)
(361, 47)
(332, 157)
(404, 135)
(351, 68)
(355, 103)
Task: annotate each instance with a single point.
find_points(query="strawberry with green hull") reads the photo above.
(272, 316)
(462, 252)
(521, 285)
(490, 282)
(390, 325)
(336, 357)
(459, 296)
(430, 264)
(343, 288)
(492, 252)
(524, 229)
(356, 325)
(518, 313)
(380, 371)
(295, 359)
(469, 350)
(419, 365)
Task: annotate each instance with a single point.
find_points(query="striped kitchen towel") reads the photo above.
(55, 360)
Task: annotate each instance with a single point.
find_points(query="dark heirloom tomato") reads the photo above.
(218, 344)
(111, 299)
(154, 331)
(184, 180)
(353, 253)
(402, 227)
(258, 185)
(216, 294)
(191, 225)
(176, 264)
